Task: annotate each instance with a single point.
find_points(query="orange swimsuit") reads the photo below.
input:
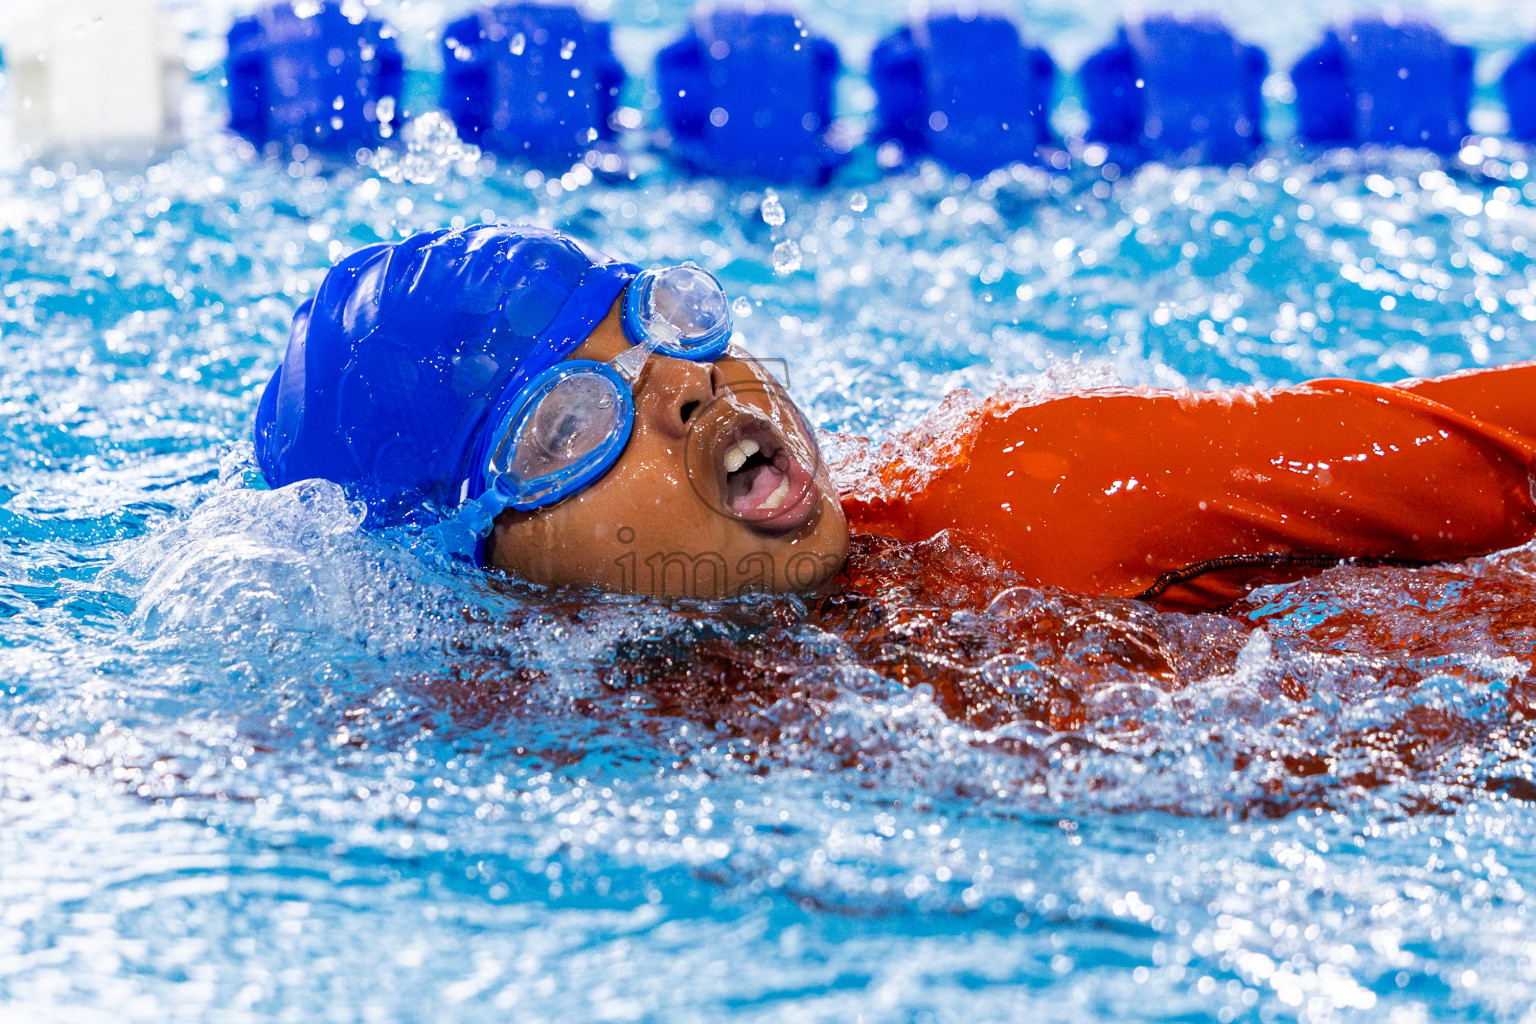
(1113, 491)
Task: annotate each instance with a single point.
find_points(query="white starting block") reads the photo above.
(94, 74)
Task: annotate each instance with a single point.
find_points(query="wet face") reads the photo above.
(719, 492)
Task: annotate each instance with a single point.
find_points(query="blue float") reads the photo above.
(531, 80)
(965, 90)
(1181, 90)
(1394, 83)
(749, 94)
(1519, 86)
(321, 80)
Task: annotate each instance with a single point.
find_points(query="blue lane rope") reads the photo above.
(322, 81)
(750, 94)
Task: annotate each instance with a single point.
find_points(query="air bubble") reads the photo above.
(858, 202)
(742, 307)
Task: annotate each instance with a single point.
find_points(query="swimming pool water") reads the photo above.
(257, 764)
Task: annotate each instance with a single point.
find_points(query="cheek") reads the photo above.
(649, 479)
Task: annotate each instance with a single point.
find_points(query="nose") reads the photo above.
(673, 392)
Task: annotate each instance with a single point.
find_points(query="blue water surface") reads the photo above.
(259, 765)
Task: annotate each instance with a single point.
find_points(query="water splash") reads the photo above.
(433, 151)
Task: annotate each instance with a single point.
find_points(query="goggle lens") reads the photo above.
(570, 418)
(691, 302)
(681, 311)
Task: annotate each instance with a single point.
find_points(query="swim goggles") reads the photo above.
(568, 425)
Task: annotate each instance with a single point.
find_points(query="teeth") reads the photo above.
(776, 499)
(737, 455)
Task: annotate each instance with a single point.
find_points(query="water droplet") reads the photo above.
(786, 255)
(742, 307)
(858, 202)
(773, 212)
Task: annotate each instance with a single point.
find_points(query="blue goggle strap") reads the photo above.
(462, 533)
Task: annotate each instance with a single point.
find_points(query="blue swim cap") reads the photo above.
(393, 367)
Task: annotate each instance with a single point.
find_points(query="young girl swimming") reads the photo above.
(574, 420)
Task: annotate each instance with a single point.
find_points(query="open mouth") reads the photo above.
(761, 481)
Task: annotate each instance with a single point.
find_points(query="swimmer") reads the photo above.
(554, 414)
(573, 420)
